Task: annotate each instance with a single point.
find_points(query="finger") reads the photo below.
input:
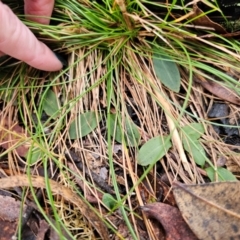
(2, 54)
(40, 9)
(19, 42)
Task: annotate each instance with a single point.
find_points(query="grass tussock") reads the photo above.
(109, 47)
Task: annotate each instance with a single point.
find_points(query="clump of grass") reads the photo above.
(109, 47)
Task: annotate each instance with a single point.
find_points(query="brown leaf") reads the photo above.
(8, 229)
(220, 91)
(211, 210)
(39, 229)
(43, 228)
(171, 220)
(204, 20)
(167, 193)
(9, 215)
(10, 208)
(13, 136)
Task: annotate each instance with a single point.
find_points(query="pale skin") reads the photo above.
(18, 41)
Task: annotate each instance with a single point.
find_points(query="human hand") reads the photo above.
(19, 42)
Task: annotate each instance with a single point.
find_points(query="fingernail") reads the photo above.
(61, 58)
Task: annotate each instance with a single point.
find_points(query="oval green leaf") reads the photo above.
(196, 150)
(109, 201)
(153, 150)
(50, 104)
(34, 155)
(191, 134)
(167, 71)
(83, 125)
(130, 131)
(193, 130)
(223, 174)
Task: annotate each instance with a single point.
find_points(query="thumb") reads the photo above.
(39, 10)
(19, 42)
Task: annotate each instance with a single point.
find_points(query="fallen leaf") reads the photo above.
(9, 216)
(10, 208)
(43, 228)
(28, 233)
(37, 228)
(211, 210)
(171, 220)
(168, 196)
(8, 230)
(204, 20)
(226, 35)
(220, 91)
(56, 188)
